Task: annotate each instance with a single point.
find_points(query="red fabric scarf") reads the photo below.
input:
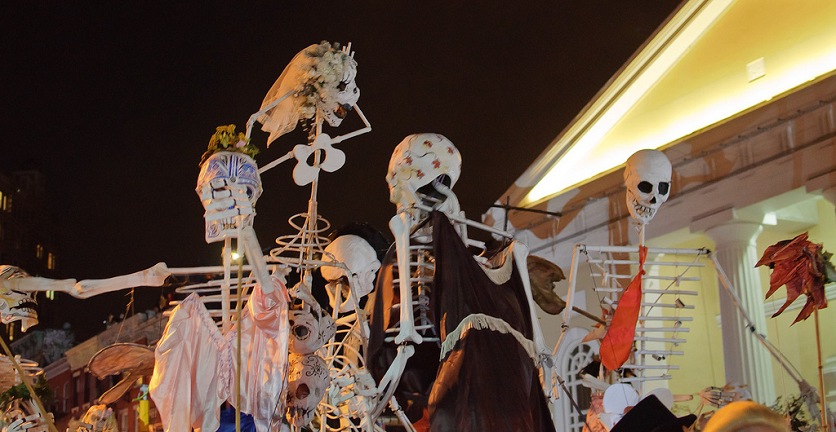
(618, 342)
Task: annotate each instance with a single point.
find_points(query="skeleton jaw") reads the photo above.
(641, 212)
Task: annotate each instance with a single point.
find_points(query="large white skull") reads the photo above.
(308, 379)
(309, 330)
(228, 186)
(648, 180)
(361, 260)
(16, 305)
(416, 162)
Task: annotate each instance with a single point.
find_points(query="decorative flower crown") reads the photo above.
(329, 65)
(225, 139)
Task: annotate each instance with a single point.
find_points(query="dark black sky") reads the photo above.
(116, 100)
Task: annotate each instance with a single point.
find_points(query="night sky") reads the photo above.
(116, 101)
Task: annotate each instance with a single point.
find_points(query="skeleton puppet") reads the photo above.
(422, 171)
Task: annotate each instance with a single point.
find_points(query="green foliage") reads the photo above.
(20, 392)
(225, 139)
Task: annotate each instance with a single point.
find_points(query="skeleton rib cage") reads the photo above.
(421, 266)
(671, 276)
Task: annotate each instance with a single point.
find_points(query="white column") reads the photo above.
(746, 360)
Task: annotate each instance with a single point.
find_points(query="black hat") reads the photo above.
(650, 415)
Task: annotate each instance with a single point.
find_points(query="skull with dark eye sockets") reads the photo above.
(648, 180)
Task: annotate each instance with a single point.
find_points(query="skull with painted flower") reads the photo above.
(308, 379)
(423, 169)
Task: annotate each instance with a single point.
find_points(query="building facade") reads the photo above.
(740, 96)
(28, 234)
(75, 389)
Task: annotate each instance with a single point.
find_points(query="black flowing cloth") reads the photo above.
(487, 380)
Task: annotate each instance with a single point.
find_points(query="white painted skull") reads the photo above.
(16, 305)
(416, 162)
(309, 330)
(648, 179)
(361, 260)
(100, 419)
(228, 186)
(308, 379)
(338, 102)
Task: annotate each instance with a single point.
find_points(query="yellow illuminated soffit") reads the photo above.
(574, 166)
(577, 165)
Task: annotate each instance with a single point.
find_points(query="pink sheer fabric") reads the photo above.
(264, 340)
(195, 367)
(184, 386)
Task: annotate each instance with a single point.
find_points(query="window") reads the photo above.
(65, 396)
(123, 417)
(39, 251)
(51, 261)
(91, 385)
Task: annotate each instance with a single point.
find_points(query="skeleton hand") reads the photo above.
(223, 199)
(712, 396)
(33, 423)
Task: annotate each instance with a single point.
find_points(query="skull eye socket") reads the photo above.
(301, 332)
(645, 187)
(664, 187)
(341, 86)
(302, 391)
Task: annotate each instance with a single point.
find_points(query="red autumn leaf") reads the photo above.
(804, 268)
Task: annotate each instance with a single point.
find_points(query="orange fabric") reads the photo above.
(618, 342)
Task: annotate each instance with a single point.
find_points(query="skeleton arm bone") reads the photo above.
(392, 377)
(154, 276)
(520, 252)
(360, 131)
(254, 256)
(337, 139)
(400, 225)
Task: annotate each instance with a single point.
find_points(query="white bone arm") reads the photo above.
(401, 225)
(256, 259)
(154, 276)
(360, 131)
(520, 252)
(392, 377)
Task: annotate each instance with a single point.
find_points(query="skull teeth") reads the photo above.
(643, 211)
(299, 416)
